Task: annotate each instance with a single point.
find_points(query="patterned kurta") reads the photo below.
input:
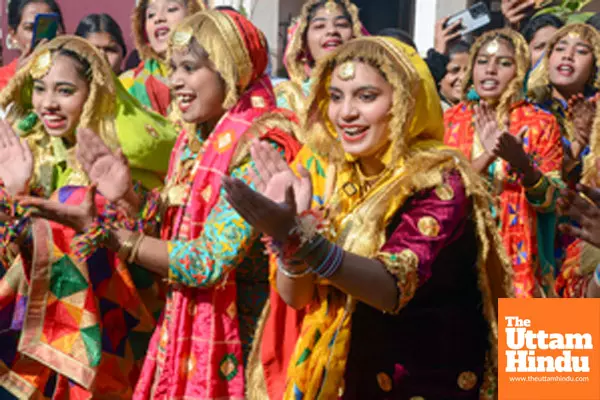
(527, 220)
(148, 84)
(218, 286)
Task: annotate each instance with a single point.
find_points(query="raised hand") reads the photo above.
(16, 161)
(267, 216)
(444, 35)
(582, 112)
(515, 11)
(582, 207)
(274, 177)
(109, 171)
(77, 217)
(510, 149)
(487, 128)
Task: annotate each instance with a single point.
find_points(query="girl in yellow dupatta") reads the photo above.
(381, 269)
(69, 85)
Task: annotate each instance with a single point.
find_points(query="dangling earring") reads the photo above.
(10, 43)
(472, 94)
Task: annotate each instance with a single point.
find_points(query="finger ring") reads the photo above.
(587, 199)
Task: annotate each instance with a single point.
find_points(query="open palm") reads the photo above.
(274, 177)
(109, 171)
(16, 161)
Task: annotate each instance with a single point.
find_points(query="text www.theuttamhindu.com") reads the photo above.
(530, 378)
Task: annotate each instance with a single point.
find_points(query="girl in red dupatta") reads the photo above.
(215, 267)
(151, 23)
(517, 147)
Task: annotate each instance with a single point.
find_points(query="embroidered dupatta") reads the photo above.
(210, 364)
(414, 161)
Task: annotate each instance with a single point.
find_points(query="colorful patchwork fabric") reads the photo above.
(227, 242)
(148, 84)
(86, 327)
(527, 218)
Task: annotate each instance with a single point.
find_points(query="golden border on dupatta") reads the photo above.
(31, 343)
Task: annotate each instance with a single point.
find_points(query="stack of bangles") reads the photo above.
(306, 251)
(131, 246)
(319, 251)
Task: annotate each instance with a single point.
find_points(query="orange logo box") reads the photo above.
(549, 349)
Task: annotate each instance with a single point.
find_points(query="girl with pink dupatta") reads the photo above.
(213, 263)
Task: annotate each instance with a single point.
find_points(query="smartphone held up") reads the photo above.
(44, 27)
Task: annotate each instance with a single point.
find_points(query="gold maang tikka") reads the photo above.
(182, 38)
(347, 71)
(493, 46)
(331, 6)
(41, 65)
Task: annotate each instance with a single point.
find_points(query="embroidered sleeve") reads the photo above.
(547, 155)
(426, 226)
(226, 238)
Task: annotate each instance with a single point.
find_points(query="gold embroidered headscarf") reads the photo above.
(297, 56)
(540, 88)
(415, 160)
(138, 26)
(237, 53)
(145, 138)
(514, 91)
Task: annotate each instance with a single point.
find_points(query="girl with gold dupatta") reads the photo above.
(516, 146)
(401, 272)
(71, 329)
(323, 25)
(151, 23)
(214, 265)
(572, 99)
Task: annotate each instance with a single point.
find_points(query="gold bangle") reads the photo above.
(537, 184)
(136, 248)
(127, 246)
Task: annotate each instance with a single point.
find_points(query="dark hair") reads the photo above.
(594, 21)
(83, 66)
(226, 8)
(16, 7)
(458, 47)
(315, 7)
(539, 22)
(99, 23)
(399, 34)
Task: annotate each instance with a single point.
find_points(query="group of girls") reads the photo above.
(351, 244)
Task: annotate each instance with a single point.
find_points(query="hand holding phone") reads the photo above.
(44, 27)
(475, 17)
(445, 34)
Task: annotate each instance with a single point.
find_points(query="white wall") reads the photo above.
(427, 12)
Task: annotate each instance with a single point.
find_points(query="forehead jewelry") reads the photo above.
(347, 71)
(41, 65)
(493, 46)
(574, 35)
(331, 6)
(182, 38)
